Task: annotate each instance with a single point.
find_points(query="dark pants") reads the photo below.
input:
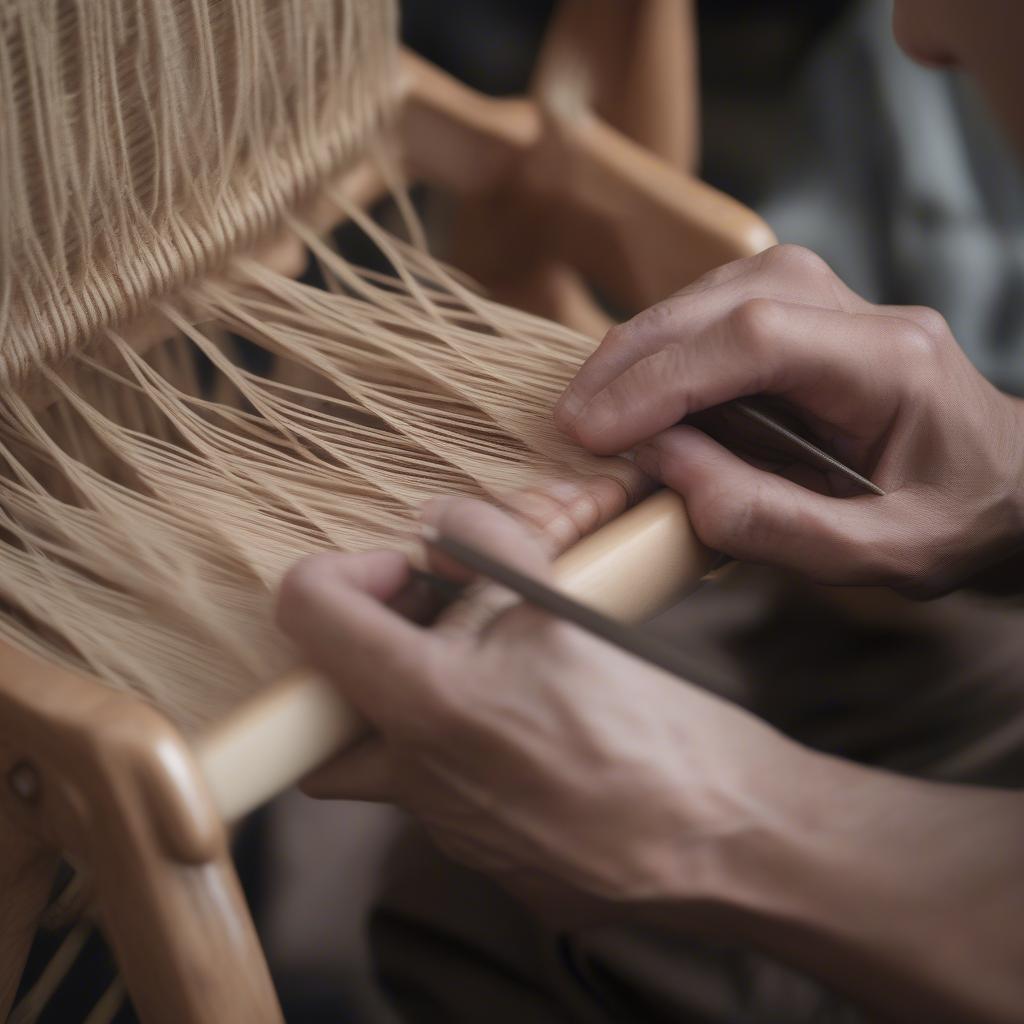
(933, 690)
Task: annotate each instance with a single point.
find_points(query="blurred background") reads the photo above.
(810, 115)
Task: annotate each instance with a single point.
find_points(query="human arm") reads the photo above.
(906, 895)
(600, 788)
(886, 388)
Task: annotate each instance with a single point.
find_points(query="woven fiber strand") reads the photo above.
(150, 500)
(150, 510)
(144, 141)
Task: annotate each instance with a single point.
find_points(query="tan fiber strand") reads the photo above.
(143, 143)
(151, 498)
(147, 525)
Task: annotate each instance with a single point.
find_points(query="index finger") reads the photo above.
(785, 274)
(828, 363)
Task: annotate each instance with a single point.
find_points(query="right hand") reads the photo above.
(589, 782)
(886, 388)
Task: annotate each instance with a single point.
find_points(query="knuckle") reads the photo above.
(756, 323)
(913, 341)
(669, 375)
(752, 526)
(872, 561)
(669, 369)
(718, 517)
(931, 321)
(796, 260)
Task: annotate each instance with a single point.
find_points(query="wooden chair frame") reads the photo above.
(106, 781)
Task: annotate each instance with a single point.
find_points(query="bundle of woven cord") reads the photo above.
(151, 497)
(146, 141)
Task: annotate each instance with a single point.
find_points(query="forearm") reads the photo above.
(907, 895)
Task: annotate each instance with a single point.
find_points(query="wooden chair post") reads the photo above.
(632, 65)
(635, 65)
(106, 781)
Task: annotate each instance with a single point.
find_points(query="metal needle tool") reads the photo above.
(643, 645)
(807, 448)
(646, 646)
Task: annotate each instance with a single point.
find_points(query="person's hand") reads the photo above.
(885, 388)
(578, 775)
(600, 789)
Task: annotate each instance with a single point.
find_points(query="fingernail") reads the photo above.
(568, 408)
(646, 457)
(599, 417)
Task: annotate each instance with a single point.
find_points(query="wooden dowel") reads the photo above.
(631, 568)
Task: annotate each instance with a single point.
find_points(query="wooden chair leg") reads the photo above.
(183, 938)
(107, 781)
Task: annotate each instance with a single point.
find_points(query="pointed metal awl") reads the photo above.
(821, 457)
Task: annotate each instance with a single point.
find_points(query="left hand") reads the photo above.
(572, 771)
(886, 388)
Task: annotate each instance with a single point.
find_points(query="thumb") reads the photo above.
(332, 606)
(757, 516)
(495, 533)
